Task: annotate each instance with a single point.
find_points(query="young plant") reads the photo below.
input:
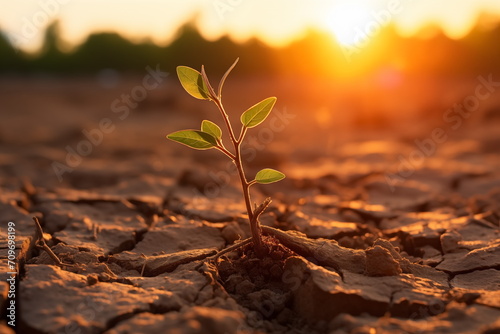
(210, 136)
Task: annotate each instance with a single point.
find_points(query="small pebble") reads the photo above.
(92, 279)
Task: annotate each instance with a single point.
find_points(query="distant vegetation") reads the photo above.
(314, 54)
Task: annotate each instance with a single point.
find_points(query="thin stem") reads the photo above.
(245, 185)
(261, 208)
(225, 251)
(230, 249)
(226, 119)
(40, 243)
(225, 151)
(246, 192)
(242, 134)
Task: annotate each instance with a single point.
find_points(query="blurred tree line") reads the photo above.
(314, 54)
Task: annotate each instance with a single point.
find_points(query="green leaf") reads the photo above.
(192, 82)
(193, 138)
(211, 128)
(258, 113)
(268, 175)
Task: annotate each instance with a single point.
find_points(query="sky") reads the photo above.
(275, 21)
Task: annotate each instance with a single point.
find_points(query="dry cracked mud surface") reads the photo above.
(357, 244)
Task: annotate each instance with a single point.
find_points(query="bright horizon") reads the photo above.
(277, 23)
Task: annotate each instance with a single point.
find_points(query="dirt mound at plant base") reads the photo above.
(257, 282)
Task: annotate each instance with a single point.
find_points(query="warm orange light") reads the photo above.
(346, 20)
(278, 22)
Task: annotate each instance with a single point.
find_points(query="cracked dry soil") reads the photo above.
(346, 254)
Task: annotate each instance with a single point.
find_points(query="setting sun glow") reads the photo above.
(351, 22)
(346, 19)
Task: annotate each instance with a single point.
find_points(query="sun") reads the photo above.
(346, 20)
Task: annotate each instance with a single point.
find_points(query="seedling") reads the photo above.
(210, 137)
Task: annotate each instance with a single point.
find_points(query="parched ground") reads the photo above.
(387, 222)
